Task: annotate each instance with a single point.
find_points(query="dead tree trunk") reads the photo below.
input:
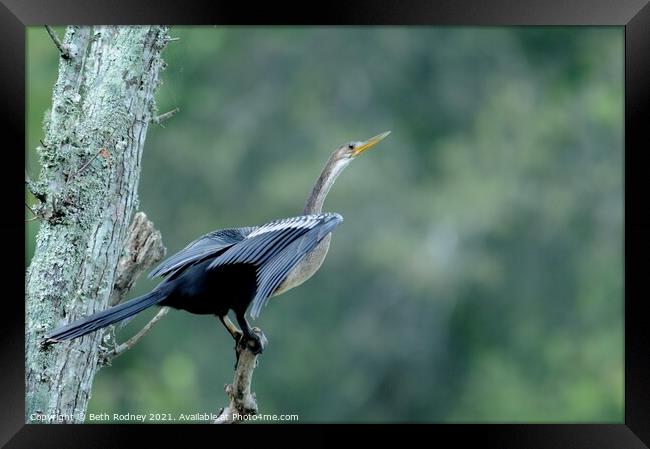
(102, 104)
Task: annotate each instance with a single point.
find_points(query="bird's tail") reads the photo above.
(105, 317)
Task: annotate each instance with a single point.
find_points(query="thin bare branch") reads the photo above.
(108, 356)
(166, 116)
(65, 53)
(36, 216)
(31, 210)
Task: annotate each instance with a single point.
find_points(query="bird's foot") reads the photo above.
(255, 341)
(231, 328)
(237, 335)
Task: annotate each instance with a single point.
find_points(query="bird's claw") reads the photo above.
(237, 335)
(255, 342)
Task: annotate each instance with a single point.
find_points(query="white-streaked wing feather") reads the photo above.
(275, 248)
(271, 274)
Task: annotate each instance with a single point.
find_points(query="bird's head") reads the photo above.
(351, 150)
(340, 159)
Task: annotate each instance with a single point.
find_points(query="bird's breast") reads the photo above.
(306, 267)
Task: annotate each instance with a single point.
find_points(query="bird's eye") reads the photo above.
(351, 146)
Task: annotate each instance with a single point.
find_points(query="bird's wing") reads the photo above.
(209, 245)
(275, 248)
(276, 270)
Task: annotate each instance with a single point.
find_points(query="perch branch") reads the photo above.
(242, 401)
(65, 53)
(143, 248)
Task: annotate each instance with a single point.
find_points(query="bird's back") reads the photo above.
(229, 269)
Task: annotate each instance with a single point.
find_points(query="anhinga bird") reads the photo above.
(229, 269)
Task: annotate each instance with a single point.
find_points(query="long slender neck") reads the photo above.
(324, 183)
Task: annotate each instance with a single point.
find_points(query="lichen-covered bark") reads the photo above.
(102, 104)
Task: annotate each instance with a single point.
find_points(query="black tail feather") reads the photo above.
(104, 318)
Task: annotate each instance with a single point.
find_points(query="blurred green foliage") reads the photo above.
(478, 276)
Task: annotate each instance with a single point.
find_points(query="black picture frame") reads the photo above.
(633, 15)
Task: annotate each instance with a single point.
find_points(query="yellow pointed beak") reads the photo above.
(369, 143)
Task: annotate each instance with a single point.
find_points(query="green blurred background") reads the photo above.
(478, 275)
